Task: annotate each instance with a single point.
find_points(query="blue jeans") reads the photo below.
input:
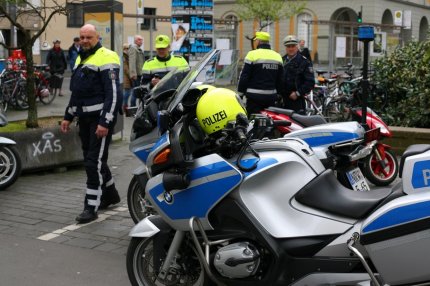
(125, 95)
(134, 83)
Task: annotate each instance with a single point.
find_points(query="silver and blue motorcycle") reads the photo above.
(268, 212)
(339, 146)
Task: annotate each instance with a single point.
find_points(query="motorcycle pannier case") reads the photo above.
(397, 235)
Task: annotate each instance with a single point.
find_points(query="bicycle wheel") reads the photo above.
(347, 87)
(21, 98)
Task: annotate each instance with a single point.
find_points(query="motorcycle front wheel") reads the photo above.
(138, 206)
(378, 174)
(10, 166)
(186, 268)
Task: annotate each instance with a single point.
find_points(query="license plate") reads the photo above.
(357, 180)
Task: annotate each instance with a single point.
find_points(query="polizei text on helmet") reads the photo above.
(214, 118)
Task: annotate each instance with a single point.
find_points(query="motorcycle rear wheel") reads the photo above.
(10, 166)
(378, 175)
(187, 269)
(138, 206)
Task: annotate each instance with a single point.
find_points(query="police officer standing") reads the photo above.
(156, 68)
(261, 76)
(299, 76)
(95, 101)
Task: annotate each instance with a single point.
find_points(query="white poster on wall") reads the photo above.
(407, 19)
(340, 47)
(379, 45)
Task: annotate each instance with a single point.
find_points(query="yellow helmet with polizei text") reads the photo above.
(217, 107)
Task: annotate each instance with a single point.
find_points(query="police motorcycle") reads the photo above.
(343, 144)
(10, 162)
(144, 129)
(235, 212)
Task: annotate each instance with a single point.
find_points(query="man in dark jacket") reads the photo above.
(95, 101)
(298, 76)
(261, 76)
(73, 52)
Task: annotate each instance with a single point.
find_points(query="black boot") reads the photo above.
(110, 197)
(88, 215)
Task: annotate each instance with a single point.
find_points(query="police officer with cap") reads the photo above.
(261, 76)
(299, 76)
(156, 68)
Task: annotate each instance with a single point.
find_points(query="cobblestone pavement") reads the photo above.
(44, 205)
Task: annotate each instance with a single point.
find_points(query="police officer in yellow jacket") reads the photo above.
(156, 68)
(261, 76)
(95, 101)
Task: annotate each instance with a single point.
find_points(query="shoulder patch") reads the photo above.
(311, 69)
(112, 75)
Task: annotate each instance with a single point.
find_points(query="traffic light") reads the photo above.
(359, 17)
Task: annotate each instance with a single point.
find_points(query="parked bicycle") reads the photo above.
(12, 92)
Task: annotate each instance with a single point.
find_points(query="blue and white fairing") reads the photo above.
(320, 137)
(143, 146)
(212, 178)
(397, 235)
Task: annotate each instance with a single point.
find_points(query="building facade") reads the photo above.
(329, 27)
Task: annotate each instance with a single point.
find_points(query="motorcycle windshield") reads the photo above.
(170, 81)
(217, 67)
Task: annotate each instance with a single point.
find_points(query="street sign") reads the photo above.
(366, 33)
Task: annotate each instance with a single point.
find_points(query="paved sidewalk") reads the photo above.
(41, 207)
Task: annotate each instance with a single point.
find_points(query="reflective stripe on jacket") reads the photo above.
(161, 67)
(262, 72)
(95, 87)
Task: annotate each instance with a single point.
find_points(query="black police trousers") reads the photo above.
(95, 151)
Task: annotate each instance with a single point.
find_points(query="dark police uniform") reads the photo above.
(161, 66)
(95, 100)
(298, 77)
(261, 78)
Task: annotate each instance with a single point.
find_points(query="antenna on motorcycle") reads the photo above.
(163, 119)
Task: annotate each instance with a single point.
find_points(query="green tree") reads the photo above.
(405, 75)
(43, 13)
(267, 11)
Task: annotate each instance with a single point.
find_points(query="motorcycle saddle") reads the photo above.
(327, 194)
(304, 120)
(412, 150)
(308, 121)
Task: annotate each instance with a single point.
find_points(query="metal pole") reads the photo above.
(151, 29)
(365, 84)
(112, 26)
(13, 33)
(331, 45)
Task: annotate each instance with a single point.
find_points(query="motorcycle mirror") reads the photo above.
(189, 102)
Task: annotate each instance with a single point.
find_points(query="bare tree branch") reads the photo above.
(43, 15)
